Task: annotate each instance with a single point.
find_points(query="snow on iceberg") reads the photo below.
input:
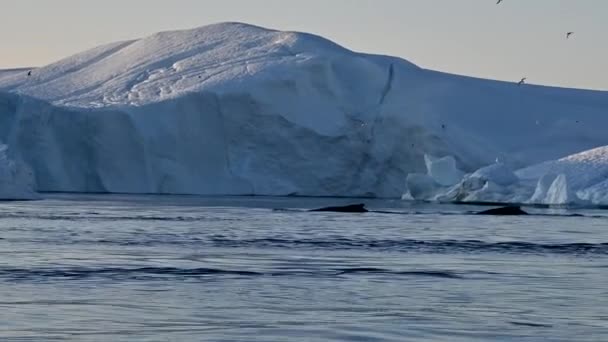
(16, 179)
(580, 179)
(577, 179)
(238, 109)
(581, 169)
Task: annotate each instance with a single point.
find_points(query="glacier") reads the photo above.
(236, 109)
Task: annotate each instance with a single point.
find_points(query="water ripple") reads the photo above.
(336, 244)
(424, 246)
(151, 273)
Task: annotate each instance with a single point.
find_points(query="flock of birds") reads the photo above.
(523, 80)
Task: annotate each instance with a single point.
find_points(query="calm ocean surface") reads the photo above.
(170, 268)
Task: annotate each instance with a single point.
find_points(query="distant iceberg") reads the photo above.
(236, 109)
(577, 180)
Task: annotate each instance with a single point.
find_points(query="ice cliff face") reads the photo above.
(16, 179)
(237, 109)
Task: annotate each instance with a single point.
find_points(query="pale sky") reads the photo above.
(471, 37)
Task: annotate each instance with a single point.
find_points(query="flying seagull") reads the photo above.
(523, 80)
(569, 34)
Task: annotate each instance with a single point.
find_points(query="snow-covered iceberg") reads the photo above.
(577, 180)
(238, 109)
(16, 179)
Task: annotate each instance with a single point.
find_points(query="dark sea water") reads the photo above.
(153, 268)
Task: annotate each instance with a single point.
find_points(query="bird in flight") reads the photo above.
(523, 80)
(569, 34)
(499, 1)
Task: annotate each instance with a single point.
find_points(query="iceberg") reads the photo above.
(443, 170)
(16, 179)
(596, 194)
(542, 189)
(577, 180)
(421, 187)
(560, 192)
(498, 173)
(236, 109)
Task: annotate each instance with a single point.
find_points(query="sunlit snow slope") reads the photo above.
(237, 109)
